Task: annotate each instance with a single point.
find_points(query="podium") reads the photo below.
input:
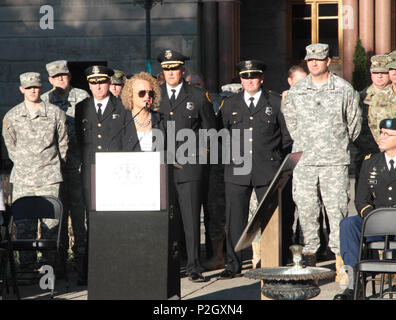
(133, 235)
(268, 217)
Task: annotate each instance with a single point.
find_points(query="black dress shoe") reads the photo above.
(229, 274)
(196, 277)
(346, 295)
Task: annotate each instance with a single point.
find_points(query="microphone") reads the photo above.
(126, 124)
(146, 107)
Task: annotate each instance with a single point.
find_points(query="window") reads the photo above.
(313, 21)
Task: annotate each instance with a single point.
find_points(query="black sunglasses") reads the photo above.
(142, 93)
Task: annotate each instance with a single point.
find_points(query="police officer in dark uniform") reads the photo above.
(187, 107)
(376, 189)
(257, 110)
(97, 122)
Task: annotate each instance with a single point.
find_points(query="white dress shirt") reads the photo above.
(103, 102)
(256, 97)
(387, 158)
(169, 90)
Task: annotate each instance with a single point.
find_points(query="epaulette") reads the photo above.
(274, 93)
(367, 157)
(208, 96)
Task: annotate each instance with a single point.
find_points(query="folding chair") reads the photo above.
(379, 222)
(33, 208)
(6, 253)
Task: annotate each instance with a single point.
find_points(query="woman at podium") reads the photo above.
(141, 96)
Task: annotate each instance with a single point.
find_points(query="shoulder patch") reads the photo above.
(367, 157)
(208, 97)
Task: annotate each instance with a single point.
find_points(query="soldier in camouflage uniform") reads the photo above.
(35, 135)
(66, 98)
(322, 114)
(384, 103)
(117, 83)
(365, 141)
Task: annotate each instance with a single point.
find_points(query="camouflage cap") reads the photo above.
(30, 79)
(57, 67)
(378, 63)
(317, 51)
(391, 60)
(118, 77)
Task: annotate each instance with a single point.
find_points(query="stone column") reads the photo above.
(210, 43)
(383, 22)
(366, 25)
(228, 40)
(350, 35)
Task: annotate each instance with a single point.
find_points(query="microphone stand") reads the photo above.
(127, 123)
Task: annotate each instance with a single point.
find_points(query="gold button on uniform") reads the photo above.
(390, 188)
(99, 136)
(100, 147)
(251, 118)
(99, 125)
(251, 129)
(171, 113)
(390, 198)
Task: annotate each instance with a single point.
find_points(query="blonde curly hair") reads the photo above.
(127, 91)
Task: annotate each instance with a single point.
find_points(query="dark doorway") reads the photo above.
(76, 69)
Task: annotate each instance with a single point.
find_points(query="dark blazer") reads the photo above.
(94, 135)
(376, 187)
(192, 110)
(129, 137)
(270, 138)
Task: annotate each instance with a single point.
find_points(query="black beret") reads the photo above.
(388, 124)
(98, 73)
(171, 59)
(250, 68)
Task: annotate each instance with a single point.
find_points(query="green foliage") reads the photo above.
(360, 73)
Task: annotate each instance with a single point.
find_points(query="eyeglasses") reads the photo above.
(142, 93)
(386, 134)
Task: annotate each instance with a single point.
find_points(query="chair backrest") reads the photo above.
(32, 207)
(379, 222)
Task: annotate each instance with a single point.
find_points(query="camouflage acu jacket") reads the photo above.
(68, 104)
(322, 121)
(36, 144)
(383, 105)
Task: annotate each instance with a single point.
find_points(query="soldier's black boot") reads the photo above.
(349, 292)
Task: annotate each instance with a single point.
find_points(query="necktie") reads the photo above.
(173, 97)
(99, 110)
(392, 168)
(251, 105)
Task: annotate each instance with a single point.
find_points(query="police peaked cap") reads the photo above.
(251, 68)
(171, 59)
(98, 73)
(388, 124)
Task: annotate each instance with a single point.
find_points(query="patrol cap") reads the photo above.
(318, 51)
(30, 79)
(388, 124)
(391, 60)
(250, 68)
(57, 67)
(96, 74)
(170, 59)
(118, 77)
(378, 63)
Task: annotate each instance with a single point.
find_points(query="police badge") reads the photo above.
(268, 110)
(168, 54)
(190, 105)
(95, 70)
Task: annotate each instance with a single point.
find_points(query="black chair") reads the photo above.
(7, 253)
(379, 222)
(34, 208)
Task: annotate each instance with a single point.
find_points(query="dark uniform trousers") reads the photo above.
(269, 143)
(376, 189)
(96, 134)
(191, 110)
